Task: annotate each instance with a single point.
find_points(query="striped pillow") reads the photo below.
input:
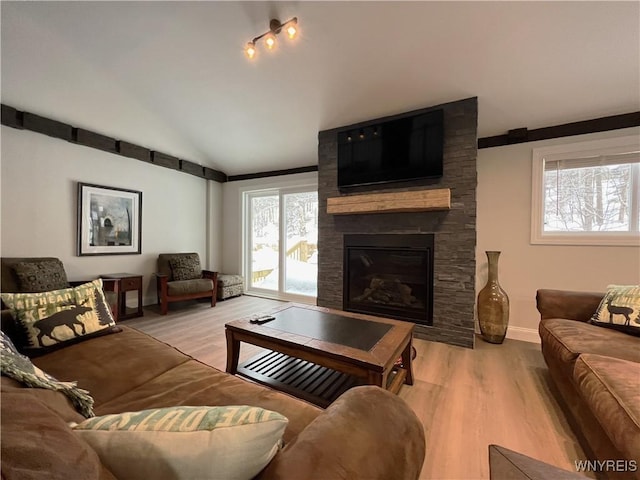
(230, 442)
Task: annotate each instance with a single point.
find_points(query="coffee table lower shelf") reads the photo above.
(306, 380)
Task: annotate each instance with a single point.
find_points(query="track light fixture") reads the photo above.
(275, 27)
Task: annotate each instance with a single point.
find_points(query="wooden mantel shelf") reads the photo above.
(412, 201)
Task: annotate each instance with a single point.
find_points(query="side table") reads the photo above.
(129, 282)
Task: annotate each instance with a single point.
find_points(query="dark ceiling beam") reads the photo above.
(272, 173)
(53, 128)
(14, 118)
(522, 135)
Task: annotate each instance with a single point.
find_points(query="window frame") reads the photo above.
(609, 146)
(280, 191)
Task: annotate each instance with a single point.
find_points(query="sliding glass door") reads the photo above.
(282, 243)
(264, 247)
(301, 243)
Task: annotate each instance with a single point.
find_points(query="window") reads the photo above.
(282, 243)
(587, 193)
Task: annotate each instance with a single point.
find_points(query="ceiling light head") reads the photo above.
(270, 40)
(292, 27)
(250, 50)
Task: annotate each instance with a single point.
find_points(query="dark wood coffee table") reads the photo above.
(317, 353)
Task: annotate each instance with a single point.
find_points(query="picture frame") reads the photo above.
(109, 220)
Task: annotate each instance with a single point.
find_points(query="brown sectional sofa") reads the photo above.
(596, 371)
(368, 433)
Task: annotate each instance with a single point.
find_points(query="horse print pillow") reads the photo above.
(53, 319)
(620, 309)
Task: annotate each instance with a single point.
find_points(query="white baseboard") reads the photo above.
(523, 334)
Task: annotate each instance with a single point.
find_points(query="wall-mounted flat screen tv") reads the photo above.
(406, 148)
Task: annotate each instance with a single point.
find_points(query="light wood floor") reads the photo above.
(466, 399)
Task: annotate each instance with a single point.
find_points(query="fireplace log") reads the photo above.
(387, 292)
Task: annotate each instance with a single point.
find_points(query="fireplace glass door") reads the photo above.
(393, 281)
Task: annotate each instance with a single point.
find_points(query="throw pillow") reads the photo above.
(620, 309)
(231, 442)
(17, 366)
(50, 319)
(41, 276)
(186, 267)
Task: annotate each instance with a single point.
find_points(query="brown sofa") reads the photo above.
(368, 433)
(596, 371)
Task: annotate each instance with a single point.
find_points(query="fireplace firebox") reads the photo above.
(389, 275)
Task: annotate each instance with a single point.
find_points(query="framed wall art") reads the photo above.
(109, 220)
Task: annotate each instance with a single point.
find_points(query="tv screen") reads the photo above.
(407, 148)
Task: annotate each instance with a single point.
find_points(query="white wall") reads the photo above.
(232, 216)
(503, 223)
(184, 213)
(38, 208)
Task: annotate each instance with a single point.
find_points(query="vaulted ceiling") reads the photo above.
(172, 76)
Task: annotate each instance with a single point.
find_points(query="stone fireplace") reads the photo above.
(453, 231)
(389, 275)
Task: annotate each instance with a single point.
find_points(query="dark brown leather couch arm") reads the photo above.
(505, 464)
(567, 304)
(368, 433)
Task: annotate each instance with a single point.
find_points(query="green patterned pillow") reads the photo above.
(53, 318)
(620, 309)
(186, 267)
(41, 276)
(17, 366)
(230, 442)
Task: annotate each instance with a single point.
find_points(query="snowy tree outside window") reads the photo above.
(587, 193)
(281, 254)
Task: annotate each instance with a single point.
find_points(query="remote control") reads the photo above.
(262, 319)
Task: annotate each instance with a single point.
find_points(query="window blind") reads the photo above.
(595, 161)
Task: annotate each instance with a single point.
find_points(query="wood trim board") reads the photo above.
(411, 201)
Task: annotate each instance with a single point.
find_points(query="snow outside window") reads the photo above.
(281, 246)
(587, 193)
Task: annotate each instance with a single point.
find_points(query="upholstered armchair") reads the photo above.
(43, 274)
(180, 277)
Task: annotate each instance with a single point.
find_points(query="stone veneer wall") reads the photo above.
(454, 230)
